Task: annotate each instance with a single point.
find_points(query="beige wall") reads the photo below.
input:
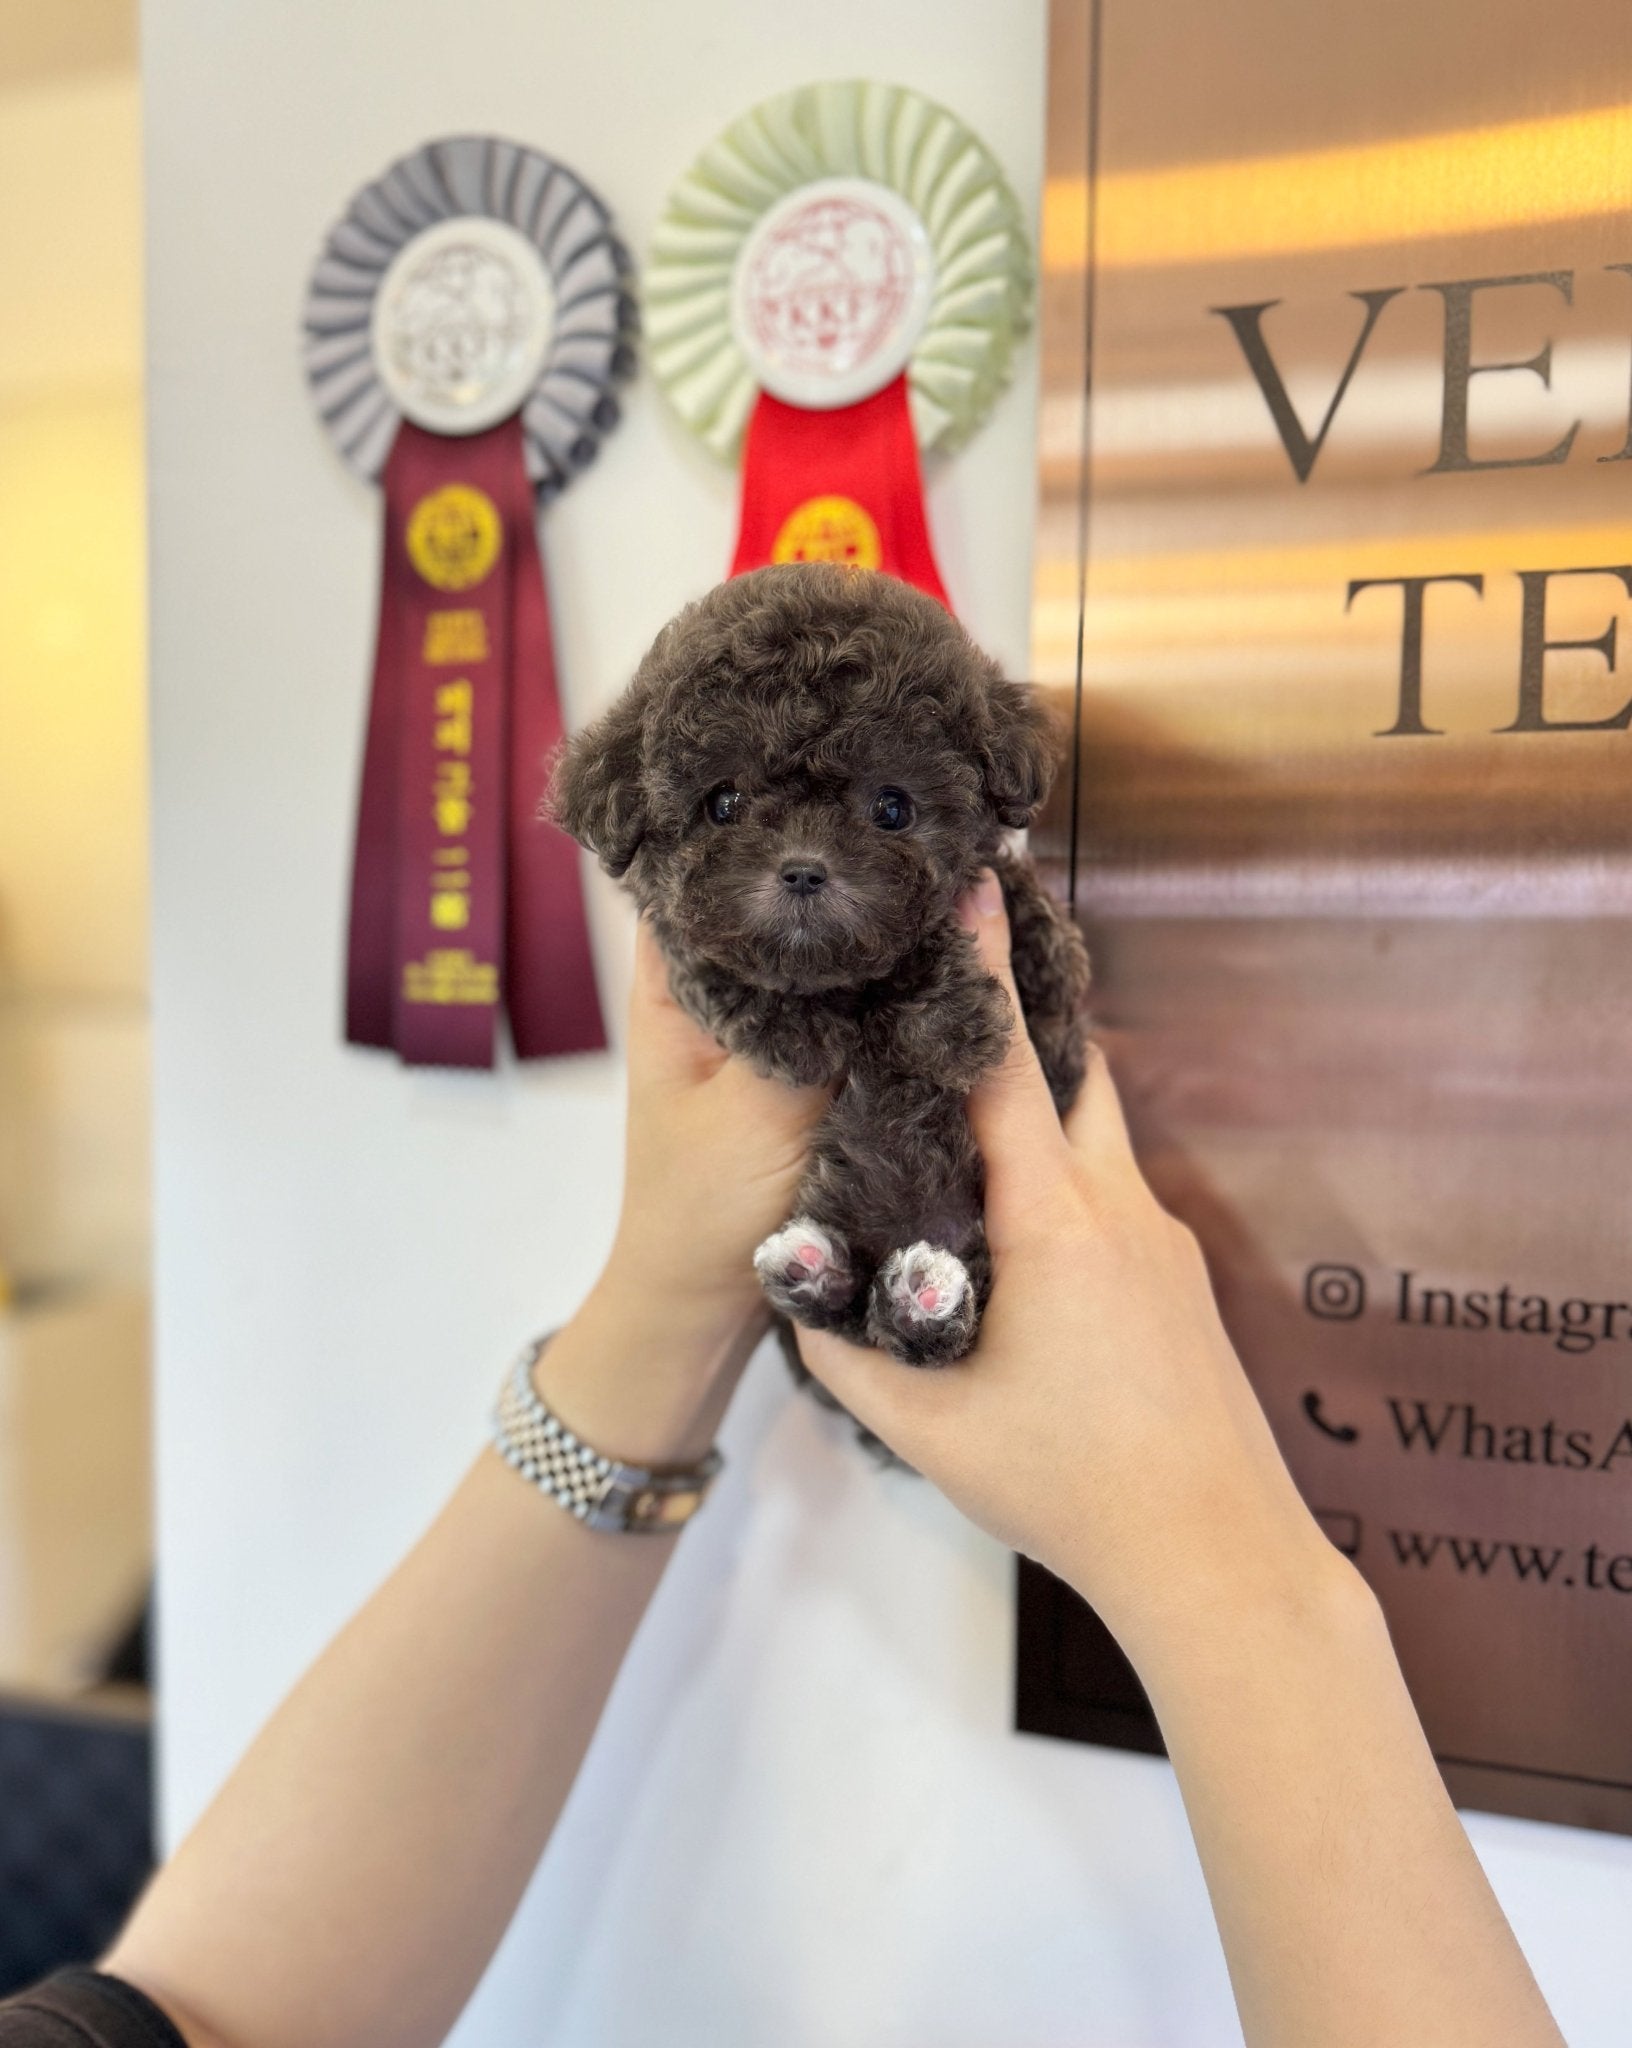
(73, 810)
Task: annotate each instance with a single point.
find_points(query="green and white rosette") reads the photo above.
(939, 277)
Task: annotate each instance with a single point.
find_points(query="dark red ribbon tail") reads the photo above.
(371, 938)
(550, 992)
(462, 897)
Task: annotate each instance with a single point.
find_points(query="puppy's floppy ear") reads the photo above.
(597, 792)
(1017, 752)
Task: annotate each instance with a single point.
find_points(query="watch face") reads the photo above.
(462, 324)
(665, 1510)
(831, 292)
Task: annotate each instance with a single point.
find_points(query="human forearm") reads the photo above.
(351, 1880)
(1352, 1909)
(1106, 1428)
(353, 1876)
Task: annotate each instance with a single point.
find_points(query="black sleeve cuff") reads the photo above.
(85, 2009)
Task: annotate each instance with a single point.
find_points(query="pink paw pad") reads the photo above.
(927, 1283)
(802, 1265)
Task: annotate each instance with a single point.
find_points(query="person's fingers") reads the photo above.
(881, 1394)
(649, 993)
(663, 1041)
(1095, 1126)
(1010, 1109)
(766, 1104)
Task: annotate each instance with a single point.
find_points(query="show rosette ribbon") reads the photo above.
(837, 282)
(464, 326)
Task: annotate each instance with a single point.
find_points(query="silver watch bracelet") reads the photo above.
(600, 1491)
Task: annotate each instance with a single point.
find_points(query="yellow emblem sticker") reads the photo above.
(829, 529)
(454, 536)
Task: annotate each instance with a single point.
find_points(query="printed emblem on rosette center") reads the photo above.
(474, 279)
(831, 292)
(462, 324)
(847, 222)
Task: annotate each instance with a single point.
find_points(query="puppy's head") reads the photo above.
(809, 766)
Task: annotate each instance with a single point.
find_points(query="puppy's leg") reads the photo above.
(807, 1273)
(922, 1308)
(924, 1175)
(925, 1301)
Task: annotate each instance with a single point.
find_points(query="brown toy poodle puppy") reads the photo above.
(809, 768)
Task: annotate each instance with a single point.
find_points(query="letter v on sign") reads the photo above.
(1248, 323)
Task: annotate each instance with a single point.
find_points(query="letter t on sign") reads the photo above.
(1413, 588)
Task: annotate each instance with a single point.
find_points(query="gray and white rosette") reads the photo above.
(828, 239)
(474, 278)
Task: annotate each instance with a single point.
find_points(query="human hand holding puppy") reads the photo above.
(713, 1154)
(1104, 1425)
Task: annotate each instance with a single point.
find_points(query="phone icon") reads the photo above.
(1339, 1432)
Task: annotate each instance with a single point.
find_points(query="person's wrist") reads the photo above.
(645, 1373)
(1315, 1614)
(693, 1312)
(1260, 1571)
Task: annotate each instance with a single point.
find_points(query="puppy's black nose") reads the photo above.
(803, 877)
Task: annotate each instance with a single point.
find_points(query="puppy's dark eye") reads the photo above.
(724, 805)
(891, 810)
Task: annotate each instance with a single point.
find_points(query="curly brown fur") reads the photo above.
(874, 758)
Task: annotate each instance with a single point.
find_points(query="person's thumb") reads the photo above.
(895, 1402)
(1010, 1109)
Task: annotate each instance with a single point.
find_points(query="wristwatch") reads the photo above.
(602, 1492)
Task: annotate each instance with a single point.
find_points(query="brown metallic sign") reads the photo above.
(1337, 448)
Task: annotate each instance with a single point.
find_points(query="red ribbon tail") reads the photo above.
(836, 486)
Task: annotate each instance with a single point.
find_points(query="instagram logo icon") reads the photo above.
(1337, 1294)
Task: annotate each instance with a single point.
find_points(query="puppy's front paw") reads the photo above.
(922, 1308)
(806, 1272)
